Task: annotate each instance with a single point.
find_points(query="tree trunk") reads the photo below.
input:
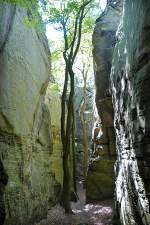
(66, 179)
(74, 194)
(63, 110)
(67, 145)
(68, 127)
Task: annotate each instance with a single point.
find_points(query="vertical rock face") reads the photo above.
(130, 80)
(100, 174)
(29, 182)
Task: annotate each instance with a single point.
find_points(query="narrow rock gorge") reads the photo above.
(31, 150)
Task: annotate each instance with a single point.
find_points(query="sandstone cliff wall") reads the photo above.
(130, 80)
(30, 149)
(100, 184)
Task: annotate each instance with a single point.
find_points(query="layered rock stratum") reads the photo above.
(129, 82)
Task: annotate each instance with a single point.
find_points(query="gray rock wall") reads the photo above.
(100, 184)
(130, 81)
(30, 148)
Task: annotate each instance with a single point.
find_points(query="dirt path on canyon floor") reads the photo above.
(99, 213)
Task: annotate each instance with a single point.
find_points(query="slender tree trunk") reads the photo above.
(74, 195)
(68, 139)
(66, 179)
(66, 184)
(63, 110)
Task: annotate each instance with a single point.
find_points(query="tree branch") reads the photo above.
(74, 36)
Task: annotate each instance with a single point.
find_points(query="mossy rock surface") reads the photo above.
(100, 183)
(30, 143)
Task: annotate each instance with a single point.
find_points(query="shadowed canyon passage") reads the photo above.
(31, 153)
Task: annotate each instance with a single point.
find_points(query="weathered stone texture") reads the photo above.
(104, 40)
(29, 142)
(130, 80)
